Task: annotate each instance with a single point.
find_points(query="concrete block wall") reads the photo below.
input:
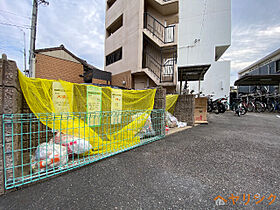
(11, 103)
(184, 109)
(160, 103)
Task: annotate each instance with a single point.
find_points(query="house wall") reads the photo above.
(216, 81)
(117, 79)
(48, 67)
(60, 54)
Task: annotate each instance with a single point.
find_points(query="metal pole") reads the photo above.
(24, 52)
(199, 88)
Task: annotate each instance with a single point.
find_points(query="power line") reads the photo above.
(8, 24)
(11, 13)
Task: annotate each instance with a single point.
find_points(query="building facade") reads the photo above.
(204, 36)
(146, 40)
(268, 65)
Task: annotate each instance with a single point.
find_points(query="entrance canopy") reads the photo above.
(192, 73)
(247, 80)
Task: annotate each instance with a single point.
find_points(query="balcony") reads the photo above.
(166, 34)
(161, 63)
(165, 7)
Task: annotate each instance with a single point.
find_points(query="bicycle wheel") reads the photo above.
(243, 110)
(271, 107)
(251, 107)
(258, 107)
(264, 106)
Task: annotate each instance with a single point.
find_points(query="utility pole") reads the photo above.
(24, 51)
(33, 34)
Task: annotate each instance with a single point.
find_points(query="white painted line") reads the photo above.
(278, 116)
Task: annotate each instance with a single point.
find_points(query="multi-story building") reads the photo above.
(269, 65)
(145, 37)
(204, 36)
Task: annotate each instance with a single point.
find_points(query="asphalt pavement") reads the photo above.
(237, 158)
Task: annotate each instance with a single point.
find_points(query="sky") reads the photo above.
(79, 26)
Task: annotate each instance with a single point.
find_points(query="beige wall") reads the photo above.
(129, 36)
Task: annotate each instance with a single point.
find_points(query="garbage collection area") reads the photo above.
(63, 126)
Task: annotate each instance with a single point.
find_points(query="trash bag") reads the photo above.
(147, 130)
(49, 155)
(170, 120)
(182, 124)
(74, 145)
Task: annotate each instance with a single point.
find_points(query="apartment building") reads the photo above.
(144, 38)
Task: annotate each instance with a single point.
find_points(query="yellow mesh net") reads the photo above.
(171, 102)
(109, 125)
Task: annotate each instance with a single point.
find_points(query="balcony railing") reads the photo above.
(164, 71)
(166, 34)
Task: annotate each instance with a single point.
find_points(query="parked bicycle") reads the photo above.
(261, 103)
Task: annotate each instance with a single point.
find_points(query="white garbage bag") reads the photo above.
(75, 145)
(170, 120)
(48, 155)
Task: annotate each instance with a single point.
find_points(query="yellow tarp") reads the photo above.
(57, 97)
(171, 102)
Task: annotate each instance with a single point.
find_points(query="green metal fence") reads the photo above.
(36, 147)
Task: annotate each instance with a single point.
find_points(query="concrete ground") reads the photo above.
(186, 170)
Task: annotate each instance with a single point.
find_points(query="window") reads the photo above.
(110, 3)
(114, 57)
(278, 66)
(114, 26)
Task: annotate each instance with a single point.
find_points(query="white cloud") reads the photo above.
(250, 44)
(79, 25)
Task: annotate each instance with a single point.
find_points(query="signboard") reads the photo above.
(94, 104)
(116, 105)
(59, 97)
